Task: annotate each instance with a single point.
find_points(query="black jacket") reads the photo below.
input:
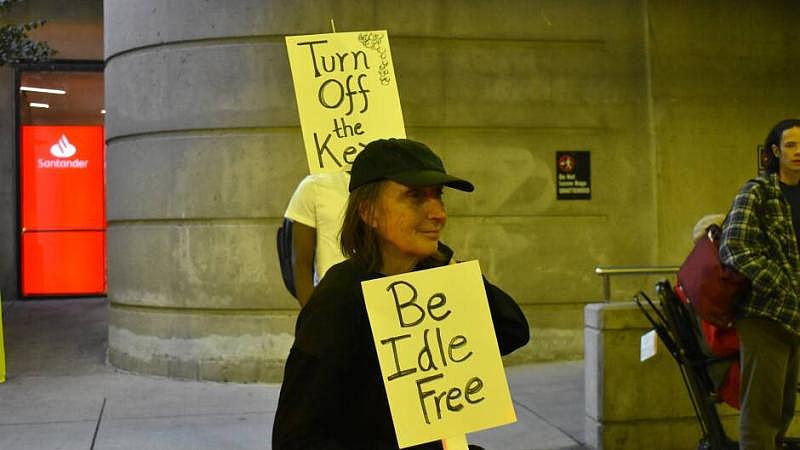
(332, 395)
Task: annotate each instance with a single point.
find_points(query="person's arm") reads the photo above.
(302, 211)
(304, 244)
(510, 325)
(743, 246)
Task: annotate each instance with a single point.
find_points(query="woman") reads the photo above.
(332, 395)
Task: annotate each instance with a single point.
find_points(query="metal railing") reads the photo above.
(607, 272)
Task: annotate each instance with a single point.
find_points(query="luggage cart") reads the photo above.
(677, 326)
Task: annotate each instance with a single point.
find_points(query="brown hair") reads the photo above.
(775, 137)
(359, 240)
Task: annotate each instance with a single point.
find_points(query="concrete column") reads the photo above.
(9, 227)
(203, 154)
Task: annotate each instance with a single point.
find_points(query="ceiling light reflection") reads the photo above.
(43, 90)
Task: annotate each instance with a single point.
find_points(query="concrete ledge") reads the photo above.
(157, 22)
(170, 265)
(202, 86)
(152, 22)
(615, 316)
(241, 371)
(200, 345)
(222, 174)
(630, 403)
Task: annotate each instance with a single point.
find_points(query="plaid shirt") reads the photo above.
(759, 241)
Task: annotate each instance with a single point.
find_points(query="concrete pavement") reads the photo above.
(60, 394)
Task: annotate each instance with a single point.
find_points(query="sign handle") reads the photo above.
(455, 442)
(333, 26)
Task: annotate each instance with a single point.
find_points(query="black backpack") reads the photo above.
(284, 245)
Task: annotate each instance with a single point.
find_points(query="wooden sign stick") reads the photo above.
(455, 443)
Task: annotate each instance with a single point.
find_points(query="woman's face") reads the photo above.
(408, 221)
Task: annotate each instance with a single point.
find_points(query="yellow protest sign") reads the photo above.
(2, 347)
(346, 95)
(438, 353)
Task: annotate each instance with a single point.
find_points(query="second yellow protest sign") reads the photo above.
(346, 95)
(438, 353)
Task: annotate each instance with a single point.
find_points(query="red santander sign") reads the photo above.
(63, 210)
(62, 178)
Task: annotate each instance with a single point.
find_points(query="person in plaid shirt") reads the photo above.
(760, 240)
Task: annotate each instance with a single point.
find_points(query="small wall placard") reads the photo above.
(573, 175)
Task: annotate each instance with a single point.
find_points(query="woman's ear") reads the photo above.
(776, 151)
(367, 214)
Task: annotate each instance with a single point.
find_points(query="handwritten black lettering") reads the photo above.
(400, 372)
(323, 100)
(311, 45)
(474, 385)
(350, 153)
(342, 129)
(324, 148)
(332, 93)
(457, 342)
(410, 303)
(432, 305)
(363, 55)
(424, 394)
(451, 396)
(454, 394)
(441, 347)
(342, 58)
(439, 392)
(363, 91)
(426, 353)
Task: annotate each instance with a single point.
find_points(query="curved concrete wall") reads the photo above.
(204, 151)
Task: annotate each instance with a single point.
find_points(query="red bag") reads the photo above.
(711, 287)
(722, 343)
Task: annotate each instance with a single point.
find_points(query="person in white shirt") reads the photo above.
(316, 210)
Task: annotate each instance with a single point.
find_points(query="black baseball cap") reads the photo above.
(404, 161)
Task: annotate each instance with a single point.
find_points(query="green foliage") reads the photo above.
(16, 45)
